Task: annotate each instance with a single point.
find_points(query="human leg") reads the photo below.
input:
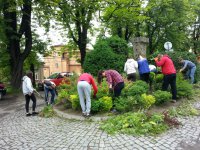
(192, 73)
(173, 86)
(165, 83)
(33, 98)
(118, 88)
(46, 91)
(27, 97)
(87, 92)
(52, 95)
(80, 89)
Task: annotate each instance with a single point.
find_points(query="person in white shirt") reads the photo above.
(27, 89)
(130, 68)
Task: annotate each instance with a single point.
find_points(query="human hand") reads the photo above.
(110, 90)
(94, 97)
(156, 59)
(180, 70)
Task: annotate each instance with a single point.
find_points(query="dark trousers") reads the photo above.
(53, 93)
(28, 97)
(131, 77)
(170, 80)
(118, 88)
(145, 77)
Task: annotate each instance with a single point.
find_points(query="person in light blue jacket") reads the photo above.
(143, 69)
(191, 68)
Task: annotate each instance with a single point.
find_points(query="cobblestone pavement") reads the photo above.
(18, 132)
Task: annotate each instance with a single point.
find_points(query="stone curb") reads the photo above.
(77, 117)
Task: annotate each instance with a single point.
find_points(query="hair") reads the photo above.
(180, 59)
(100, 76)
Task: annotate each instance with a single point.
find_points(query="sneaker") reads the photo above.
(35, 113)
(114, 111)
(87, 115)
(84, 114)
(173, 101)
(28, 114)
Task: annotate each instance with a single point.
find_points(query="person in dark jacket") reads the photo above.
(169, 72)
(191, 68)
(49, 86)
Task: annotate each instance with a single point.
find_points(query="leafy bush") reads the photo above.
(184, 89)
(135, 124)
(47, 112)
(162, 96)
(108, 53)
(135, 88)
(106, 103)
(146, 101)
(125, 104)
(75, 102)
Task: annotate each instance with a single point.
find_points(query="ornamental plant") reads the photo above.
(137, 123)
(162, 97)
(146, 101)
(75, 102)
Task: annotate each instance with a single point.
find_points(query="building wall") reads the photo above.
(60, 62)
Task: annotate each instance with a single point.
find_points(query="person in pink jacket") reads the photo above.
(84, 91)
(169, 72)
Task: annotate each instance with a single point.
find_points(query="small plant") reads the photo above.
(75, 102)
(47, 112)
(162, 97)
(137, 123)
(146, 101)
(125, 104)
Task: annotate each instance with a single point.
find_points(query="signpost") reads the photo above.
(168, 46)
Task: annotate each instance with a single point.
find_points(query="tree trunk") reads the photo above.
(14, 36)
(32, 68)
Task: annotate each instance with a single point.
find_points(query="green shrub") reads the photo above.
(75, 102)
(135, 124)
(146, 101)
(125, 104)
(95, 106)
(184, 88)
(106, 103)
(108, 53)
(47, 112)
(162, 96)
(137, 88)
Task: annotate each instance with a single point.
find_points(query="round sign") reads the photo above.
(168, 45)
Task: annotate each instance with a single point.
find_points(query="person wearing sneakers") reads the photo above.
(84, 91)
(169, 72)
(49, 86)
(27, 89)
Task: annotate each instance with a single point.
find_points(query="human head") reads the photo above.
(160, 56)
(101, 75)
(180, 60)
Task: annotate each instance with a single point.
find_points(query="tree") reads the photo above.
(168, 20)
(123, 17)
(76, 16)
(13, 13)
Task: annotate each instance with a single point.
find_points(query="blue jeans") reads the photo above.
(190, 74)
(52, 91)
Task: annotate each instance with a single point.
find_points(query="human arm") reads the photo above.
(184, 66)
(94, 86)
(29, 86)
(159, 61)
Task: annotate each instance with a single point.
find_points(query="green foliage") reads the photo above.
(184, 89)
(106, 55)
(106, 103)
(146, 101)
(75, 102)
(125, 104)
(103, 89)
(47, 112)
(135, 124)
(161, 96)
(185, 109)
(137, 88)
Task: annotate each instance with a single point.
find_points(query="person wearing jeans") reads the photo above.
(27, 89)
(191, 68)
(84, 91)
(49, 86)
(169, 72)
